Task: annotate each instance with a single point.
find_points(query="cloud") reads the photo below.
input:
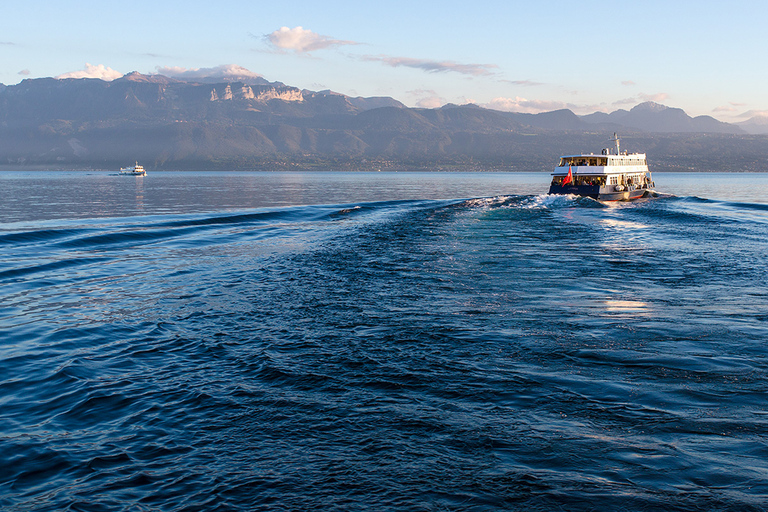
(90, 71)
(754, 113)
(433, 66)
(24, 72)
(431, 102)
(525, 83)
(427, 98)
(658, 97)
(527, 106)
(299, 40)
(734, 106)
(627, 82)
(640, 98)
(725, 108)
(518, 104)
(627, 101)
(223, 72)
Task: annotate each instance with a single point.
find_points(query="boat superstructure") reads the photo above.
(136, 170)
(608, 176)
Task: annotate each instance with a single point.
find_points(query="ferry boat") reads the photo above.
(136, 170)
(607, 177)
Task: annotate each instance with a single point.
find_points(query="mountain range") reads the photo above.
(249, 122)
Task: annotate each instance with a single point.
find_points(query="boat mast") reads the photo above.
(616, 140)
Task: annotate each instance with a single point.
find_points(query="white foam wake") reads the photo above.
(544, 201)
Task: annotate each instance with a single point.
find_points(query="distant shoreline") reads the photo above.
(404, 169)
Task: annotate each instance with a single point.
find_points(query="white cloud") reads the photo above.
(658, 97)
(433, 66)
(427, 98)
(526, 106)
(754, 113)
(299, 40)
(627, 82)
(627, 101)
(431, 102)
(525, 83)
(91, 71)
(518, 104)
(223, 72)
(640, 98)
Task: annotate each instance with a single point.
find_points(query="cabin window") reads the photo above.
(579, 161)
(590, 181)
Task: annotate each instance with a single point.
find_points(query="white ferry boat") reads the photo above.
(607, 177)
(136, 170)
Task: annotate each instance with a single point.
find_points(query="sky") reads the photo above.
(706, 57)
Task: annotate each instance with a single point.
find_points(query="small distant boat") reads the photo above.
(136, 170)
(607, 177)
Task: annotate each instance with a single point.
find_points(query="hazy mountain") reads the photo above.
(757, 124)
(653, 117)
(359, 101)
(555, 120)
(198, 122)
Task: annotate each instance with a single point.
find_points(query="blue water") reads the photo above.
(381, 341)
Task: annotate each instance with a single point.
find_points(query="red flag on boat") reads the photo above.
(568, 179)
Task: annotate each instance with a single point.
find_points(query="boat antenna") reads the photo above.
(616, 140)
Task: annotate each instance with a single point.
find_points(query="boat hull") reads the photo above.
(608, 193)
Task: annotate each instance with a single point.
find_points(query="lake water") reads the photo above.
(381, 341)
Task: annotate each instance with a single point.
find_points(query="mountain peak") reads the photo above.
(135, 76)
(757, 124)
(649, 106)
(220, 74)
(454, 105)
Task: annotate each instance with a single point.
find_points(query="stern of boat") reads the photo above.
(592, 191)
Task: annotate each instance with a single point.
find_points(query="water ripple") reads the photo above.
(508, 352)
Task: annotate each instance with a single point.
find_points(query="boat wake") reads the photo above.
(536, 202)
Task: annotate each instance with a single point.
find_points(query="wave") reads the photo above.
(37, 235)
(50, 267)
(308, 349)
(131, 240)
(134, 232)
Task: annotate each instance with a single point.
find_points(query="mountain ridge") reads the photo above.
(249, 122)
